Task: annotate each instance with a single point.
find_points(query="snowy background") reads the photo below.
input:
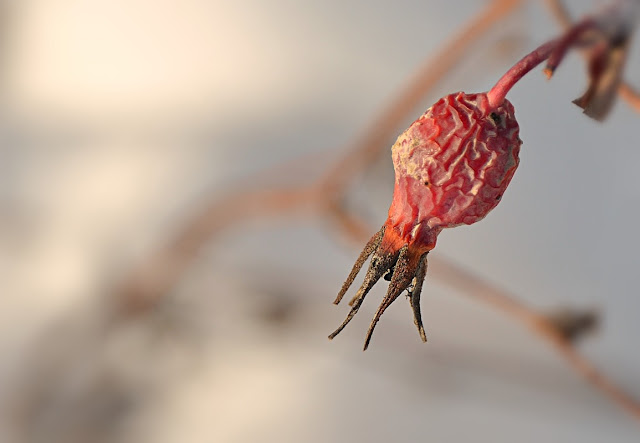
(120, 118)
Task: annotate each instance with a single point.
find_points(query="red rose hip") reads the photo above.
(452, 167)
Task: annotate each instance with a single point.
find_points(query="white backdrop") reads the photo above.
(121, 117)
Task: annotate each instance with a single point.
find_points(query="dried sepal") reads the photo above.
(606, 65)
(381, 262)
(414, 295)
(605, 36)
(371, 246)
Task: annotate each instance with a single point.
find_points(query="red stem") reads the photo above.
(498, 93)
(570, 38)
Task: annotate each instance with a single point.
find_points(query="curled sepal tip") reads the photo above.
(407, 266)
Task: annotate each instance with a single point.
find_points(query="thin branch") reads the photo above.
(559, 12)
(142, 288)
(474, 286)
(630, 95)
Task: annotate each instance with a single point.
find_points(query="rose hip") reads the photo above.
(452, 167)
(455, 162)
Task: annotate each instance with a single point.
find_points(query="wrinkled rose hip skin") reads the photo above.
(452, 167)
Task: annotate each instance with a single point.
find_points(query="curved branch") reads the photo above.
(630, 95)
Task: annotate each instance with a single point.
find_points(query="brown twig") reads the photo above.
(630, 95)
(561, 14)
(471, 285)
(154, 278)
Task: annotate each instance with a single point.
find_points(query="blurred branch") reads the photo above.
(559, 12)
(543, 326)
(156, 277)
(630, 95)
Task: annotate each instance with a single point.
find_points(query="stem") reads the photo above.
(498, 93)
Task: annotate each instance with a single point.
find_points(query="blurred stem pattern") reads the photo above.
(155, 277)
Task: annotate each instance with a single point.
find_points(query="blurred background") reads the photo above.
(120, 120)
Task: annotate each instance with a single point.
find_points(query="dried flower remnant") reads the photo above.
(606, 36)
